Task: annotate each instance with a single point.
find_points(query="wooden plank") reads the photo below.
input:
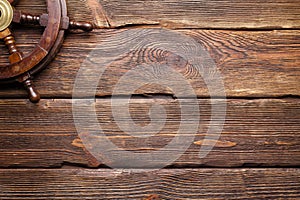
(252, 64)
(260, 132)
(143, 184)
(221, 14)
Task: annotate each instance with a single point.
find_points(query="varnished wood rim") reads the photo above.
(57, 45)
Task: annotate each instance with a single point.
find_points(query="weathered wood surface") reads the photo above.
(253, 64)
(256, 133)
(142, 184)
(221, 14)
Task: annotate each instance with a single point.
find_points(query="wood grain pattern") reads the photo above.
(256, 133)
(141, 184)
(221, 14)
(253, 64)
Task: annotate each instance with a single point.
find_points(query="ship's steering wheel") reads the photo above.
(23, 67)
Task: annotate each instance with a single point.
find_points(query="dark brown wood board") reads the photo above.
(260, 132)
(221, 14)
(252, 64)
(142, 184)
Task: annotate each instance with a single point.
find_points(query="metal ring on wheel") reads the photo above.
(6, 16)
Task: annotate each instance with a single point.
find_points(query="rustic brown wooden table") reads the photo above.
(255, 45)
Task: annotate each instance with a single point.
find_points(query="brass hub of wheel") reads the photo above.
(6, 14)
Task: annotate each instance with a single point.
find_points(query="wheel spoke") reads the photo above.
(28, 19)
(15, 54)
(13, 2)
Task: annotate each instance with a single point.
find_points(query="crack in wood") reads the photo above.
(100, 15)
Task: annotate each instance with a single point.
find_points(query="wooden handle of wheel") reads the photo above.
(34, 96)
(85, 26)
